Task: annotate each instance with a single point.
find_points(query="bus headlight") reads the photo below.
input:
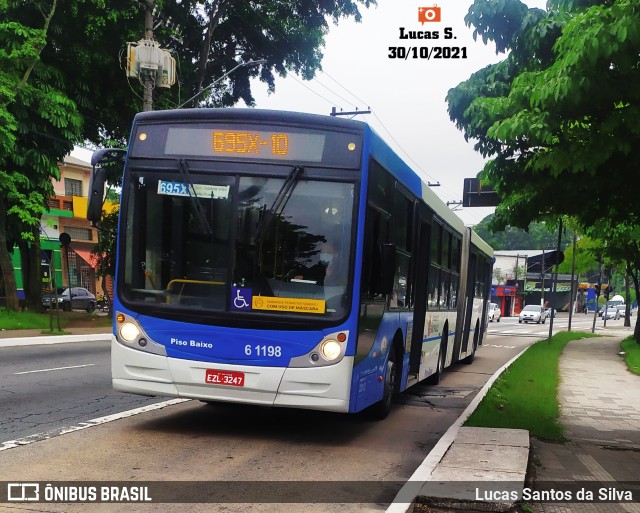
(330, 349)
(129, 331)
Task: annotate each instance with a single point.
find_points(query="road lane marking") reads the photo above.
(55, 369)
(19, 442)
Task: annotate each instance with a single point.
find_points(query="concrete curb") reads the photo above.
(54, 339)
(405, 499)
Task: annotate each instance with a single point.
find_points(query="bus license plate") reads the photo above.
(218, 377)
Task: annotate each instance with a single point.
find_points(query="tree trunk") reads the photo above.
(634, 277)
(31, 273)
(6, 265)
(627, 308)
(215, 13)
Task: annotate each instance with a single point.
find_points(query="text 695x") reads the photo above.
(427, 52)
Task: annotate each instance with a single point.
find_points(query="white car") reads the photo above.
(612, 307)
(494, 312)
(532, 313)
(612, 313)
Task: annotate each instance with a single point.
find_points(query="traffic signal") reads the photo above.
(607, 292)
(597, 288)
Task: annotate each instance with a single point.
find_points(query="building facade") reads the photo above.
(72, 265)
(525, 277)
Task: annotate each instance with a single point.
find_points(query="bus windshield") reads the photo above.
(208, 243)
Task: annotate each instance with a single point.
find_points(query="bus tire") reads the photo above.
(435, 378)
(476, 336)
(382, 408)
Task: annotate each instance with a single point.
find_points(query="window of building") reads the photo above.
(78, 233)
(72, 187)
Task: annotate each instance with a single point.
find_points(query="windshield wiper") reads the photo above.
(279, 203)
(200, 214)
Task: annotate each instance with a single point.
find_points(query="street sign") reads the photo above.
(475, 195)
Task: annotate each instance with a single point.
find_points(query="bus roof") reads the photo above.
(260, 115)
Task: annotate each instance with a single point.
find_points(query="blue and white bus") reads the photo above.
(285, 259)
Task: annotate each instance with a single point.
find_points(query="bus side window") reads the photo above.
(376, 234)
(435, 292)
(403, 238)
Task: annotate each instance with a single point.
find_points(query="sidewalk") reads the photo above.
(600, 410)
(600, 401)
(9, 338)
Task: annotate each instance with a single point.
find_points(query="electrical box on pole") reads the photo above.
(146, 60)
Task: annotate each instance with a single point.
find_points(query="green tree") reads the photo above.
(208, 38)
(63, 80)
(38, 127)
(586, 256)
(620, 245)
(105, 251)
(538, 235)
(558, 117)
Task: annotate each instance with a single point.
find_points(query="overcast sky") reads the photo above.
(407, 97)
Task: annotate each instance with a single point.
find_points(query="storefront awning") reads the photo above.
(86, 255)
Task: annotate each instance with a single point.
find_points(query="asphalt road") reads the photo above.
(48, 387)
(194, 442)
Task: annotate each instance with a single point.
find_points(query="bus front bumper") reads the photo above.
(321, 388)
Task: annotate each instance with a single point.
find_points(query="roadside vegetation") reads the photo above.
(525, 395)
(43, 321)
(632, 354)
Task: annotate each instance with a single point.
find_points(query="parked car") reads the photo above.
(614, 304)
(494, 312)
(532, 313)
(612, 313)
(80, 298)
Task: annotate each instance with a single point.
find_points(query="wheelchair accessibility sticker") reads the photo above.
(241, 299)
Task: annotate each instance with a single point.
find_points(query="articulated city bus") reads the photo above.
(285, 259)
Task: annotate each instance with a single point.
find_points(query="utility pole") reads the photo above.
(542, 270)
(554, 286)
(148, 81)
(574, 292)
(598, 285)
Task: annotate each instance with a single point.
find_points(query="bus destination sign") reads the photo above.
(245, 144)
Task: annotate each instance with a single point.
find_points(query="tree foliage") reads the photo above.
(63, 78)
(559, 116)
(538, 235)
(38, 126)
(208, 38)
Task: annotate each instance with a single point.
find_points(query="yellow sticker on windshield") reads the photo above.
(289, 304)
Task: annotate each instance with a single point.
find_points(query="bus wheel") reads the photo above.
(381, 409)
(469, 359)
(435, 378)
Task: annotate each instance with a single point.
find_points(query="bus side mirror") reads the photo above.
(98, 179)
(96, 194)
(387, 267)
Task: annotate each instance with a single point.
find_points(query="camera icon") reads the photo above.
(428, 14)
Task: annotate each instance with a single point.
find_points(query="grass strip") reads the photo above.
(525, 396)
(25, 320)
(42, 321)
(631, 349)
